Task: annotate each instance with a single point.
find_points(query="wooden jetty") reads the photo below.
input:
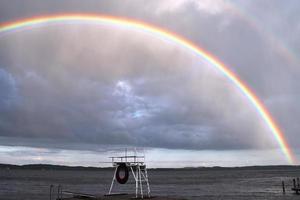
(122, 197)
(296, 190)
(57, 193)
(296, 186)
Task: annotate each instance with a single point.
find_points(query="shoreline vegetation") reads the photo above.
(64, 167)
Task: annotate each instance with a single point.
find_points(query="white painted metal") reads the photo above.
(113, 180)
(138, 168)
(141, 184)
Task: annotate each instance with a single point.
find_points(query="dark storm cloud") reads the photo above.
(8, 89)
(127, 89)
(121, 88)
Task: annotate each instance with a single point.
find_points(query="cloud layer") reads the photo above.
(81, 84)
(122, 87)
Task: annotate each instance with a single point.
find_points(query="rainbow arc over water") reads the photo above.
(169, 36)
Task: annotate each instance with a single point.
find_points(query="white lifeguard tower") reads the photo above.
(134, 164)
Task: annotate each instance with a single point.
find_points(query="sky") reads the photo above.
(75, 94)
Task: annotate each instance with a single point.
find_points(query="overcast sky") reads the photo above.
(75, 93)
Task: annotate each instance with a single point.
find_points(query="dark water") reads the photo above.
(190, 184)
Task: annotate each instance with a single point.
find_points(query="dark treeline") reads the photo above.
(49, 167)
(62, 167)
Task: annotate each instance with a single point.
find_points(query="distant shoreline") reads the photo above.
(64, 167)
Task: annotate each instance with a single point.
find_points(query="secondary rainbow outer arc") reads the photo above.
(124, 22)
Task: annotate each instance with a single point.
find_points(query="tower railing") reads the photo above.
(136, 165)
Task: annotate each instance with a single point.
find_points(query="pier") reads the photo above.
(296, 186)
(57, 193)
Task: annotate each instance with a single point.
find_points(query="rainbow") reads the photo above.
(169, 36)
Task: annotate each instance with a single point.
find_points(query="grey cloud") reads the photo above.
(123, 90)
(72, 91)
(8, 95)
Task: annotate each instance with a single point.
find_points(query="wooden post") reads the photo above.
(51, 187)
(58, 188)
(294, 183)
(283, 187)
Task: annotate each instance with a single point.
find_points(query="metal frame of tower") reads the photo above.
(138, 168)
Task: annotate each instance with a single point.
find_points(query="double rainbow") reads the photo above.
(172, 37)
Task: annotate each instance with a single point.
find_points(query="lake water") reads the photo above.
(204, 184)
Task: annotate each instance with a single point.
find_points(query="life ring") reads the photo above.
(122, 168)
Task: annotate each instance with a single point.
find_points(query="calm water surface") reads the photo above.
(191, 184)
